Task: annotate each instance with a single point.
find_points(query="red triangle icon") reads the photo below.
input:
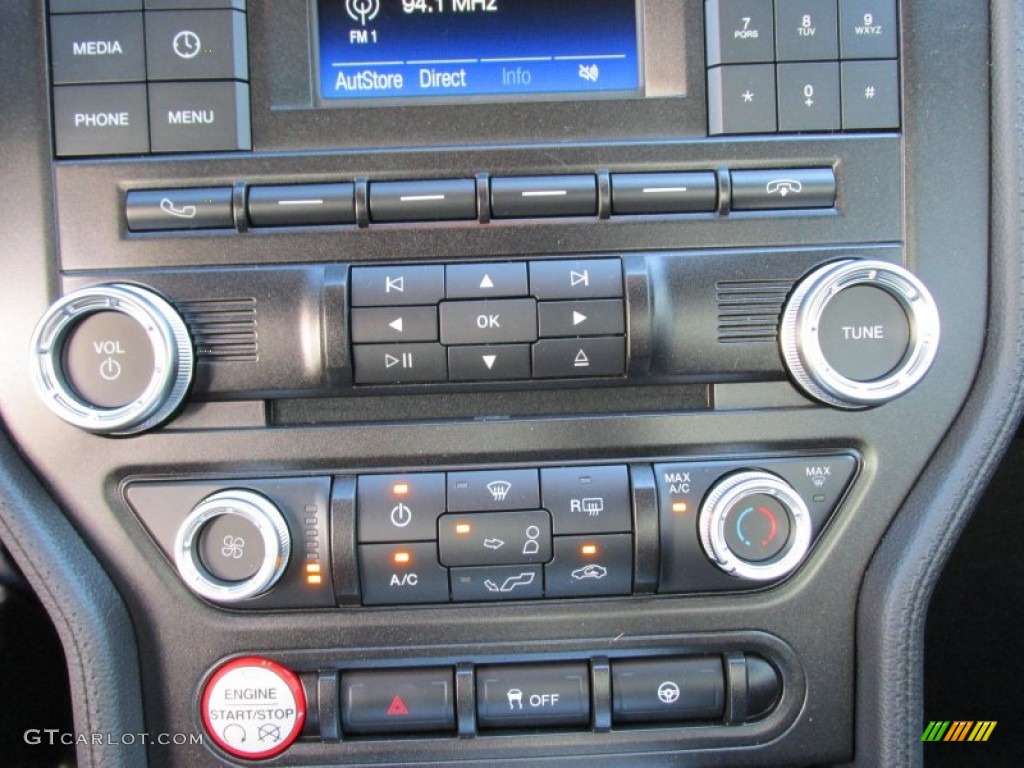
(398, 707)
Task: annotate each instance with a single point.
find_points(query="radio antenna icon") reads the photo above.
(362, 10)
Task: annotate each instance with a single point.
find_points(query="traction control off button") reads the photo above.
(253, 708)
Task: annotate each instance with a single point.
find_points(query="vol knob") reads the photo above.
(859, 333)
(112, 359)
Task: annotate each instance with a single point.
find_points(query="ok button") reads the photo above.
(489, 322)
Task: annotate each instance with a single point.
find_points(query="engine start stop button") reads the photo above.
(253, 708)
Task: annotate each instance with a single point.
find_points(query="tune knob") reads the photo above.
(234, 545)
(859, 333)
(753, 525)
(112, 359)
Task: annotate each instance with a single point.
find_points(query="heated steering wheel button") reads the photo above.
(864, 333)
(667, 690)
(108, 359)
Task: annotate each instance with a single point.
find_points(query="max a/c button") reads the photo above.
(533, 695)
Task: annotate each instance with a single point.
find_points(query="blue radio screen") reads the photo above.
(398, 49)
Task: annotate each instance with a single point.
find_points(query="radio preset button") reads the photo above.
(542, 196)
(97, 48)
(784, 188)
(91, 6)
(503, 321)
(302, 205)
(741, 99)
(196, 45)
(401, 574)
(580, 279)
(587, 499)
(867, 29)
(809, 97)
(739, 31)
(399, 507)
(399, 363)
(500, 582)
(101, 120)
(375, 325)
(397, 285)
(650, 193)
(806, 30)
(590, 566)
(493, 490)
(199, 117)
(152, 210)
(571, 358)
(485, 538)
(398, 701)
(443, 200)
(483, 281)
(533, 695)
(501, 362)
(601, 317)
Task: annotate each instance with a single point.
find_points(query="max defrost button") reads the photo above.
(398, 701)
(533, 695)
(401, 574)
(253, 708)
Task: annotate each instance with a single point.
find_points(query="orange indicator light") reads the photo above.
(402, 558)
(588, 549)
(400, 489)
(313, 577)
(463, 529)
(679, 507)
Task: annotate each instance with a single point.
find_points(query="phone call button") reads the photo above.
(153, 210)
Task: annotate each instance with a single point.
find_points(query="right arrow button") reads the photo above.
(561, 319)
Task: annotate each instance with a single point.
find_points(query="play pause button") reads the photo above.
(500, 362)
(399, 363)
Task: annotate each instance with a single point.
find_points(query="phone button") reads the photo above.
(157, 210)
(783, 189)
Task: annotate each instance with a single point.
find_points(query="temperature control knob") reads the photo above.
(233, 546)
(112, 359)
(755, 526)
(859, 333)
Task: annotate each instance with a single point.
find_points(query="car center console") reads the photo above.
(443, 381)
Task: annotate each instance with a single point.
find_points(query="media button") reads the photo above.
(503, 321)
(399, 363)
(502, 362)
(97, 48)
(500, 582)
(493, 490)
(485, 538)
(399, 507)
(401, 574)
(533, 695)
(397, 285)
(589, 566)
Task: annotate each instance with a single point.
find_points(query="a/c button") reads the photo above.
(401, 574)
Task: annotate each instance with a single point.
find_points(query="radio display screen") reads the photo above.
(460, 49)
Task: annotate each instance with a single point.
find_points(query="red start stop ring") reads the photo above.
(253, 708)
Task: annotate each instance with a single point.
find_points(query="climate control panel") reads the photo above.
(494, 534)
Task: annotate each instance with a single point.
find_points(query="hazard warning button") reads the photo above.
(253, 708)
(398, 701)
